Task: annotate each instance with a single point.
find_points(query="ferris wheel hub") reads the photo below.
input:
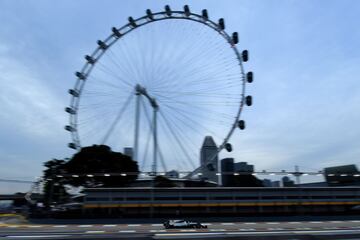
(140, 90)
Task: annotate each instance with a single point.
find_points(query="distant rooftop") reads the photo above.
(209, 142)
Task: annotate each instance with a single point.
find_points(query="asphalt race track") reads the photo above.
(349, 229)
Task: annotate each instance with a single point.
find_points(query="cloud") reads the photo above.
(27, 103)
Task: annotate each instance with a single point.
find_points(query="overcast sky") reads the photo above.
(305, 56)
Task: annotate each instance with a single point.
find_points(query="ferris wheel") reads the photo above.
(159, 85)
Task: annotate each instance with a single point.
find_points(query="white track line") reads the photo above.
(246, 229)
(272, 223)
(315, 222)
(34, 226)
(294, 222)
(95, 231)
(207, 224)
(249, 223)
(13, 226)
(134, 225)
(217, 230)
(157, 225)
(85, 226)
(187, 230)
(331, 228)
(109, 225)
(159, 230)
(226, 224)
(59, 226)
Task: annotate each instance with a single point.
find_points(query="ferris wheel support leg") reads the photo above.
(137, 122)
(154, 166)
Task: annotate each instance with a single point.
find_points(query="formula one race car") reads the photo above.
(183, 224)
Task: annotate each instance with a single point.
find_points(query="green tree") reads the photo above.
(54, 190)
(95, 160)
(100, 159)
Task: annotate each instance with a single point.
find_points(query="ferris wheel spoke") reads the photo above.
(99, 82)
(183, 149)
(197, 108)
(175, 147)
(209, 114)
(176, 121)
(186, 122)
(127, 60)
(176, 94)
(117, 118)
(203, 103)
(197, 58)
(196, 45)
(218, 88)
(214, 76)
(179, 56)
(124, 68)
(97, 106)
(99, 114)
(111, 73)
(114, 61)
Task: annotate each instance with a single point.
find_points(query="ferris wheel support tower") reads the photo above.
(141, 91)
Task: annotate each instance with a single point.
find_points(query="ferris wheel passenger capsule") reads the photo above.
(187, 10)
(241, 124)
(89, 59)
(149, 14)
(132, 22)
(168, 10)
(116, 32)
(70, 110)
(204, 14)
(228, 147)
(249, 77)
(74, 92)
(221, 24)
(248, 100)
(235, 38)
(245, 55)
(102, 45)
(72, 145)
(80, 75)
(69, 128)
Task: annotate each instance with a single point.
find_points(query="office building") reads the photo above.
(128, 151)
(227, 172)
(209, 159)
(243, 167)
